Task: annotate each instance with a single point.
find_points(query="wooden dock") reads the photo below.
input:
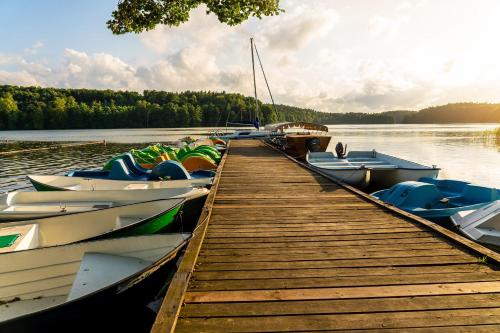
(280, 248)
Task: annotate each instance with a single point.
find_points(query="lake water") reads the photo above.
(458, 149)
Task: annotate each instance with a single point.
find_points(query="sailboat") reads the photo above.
(255, 133)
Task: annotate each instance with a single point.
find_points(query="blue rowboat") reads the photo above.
(435, 199)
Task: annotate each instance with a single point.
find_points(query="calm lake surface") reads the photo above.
(460, 150)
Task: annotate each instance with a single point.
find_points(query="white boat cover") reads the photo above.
(281, 127)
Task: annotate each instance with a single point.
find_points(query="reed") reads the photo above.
(493, 133)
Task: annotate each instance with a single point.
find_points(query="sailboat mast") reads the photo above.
(254, 84)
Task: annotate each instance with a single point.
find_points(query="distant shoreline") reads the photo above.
(35, 108)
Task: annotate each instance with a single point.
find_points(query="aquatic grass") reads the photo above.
(495, 133)
(482, 260)
(492, 135)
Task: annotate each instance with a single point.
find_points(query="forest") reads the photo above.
(25, 108)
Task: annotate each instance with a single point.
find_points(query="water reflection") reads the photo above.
(461, 151)
(14, 168)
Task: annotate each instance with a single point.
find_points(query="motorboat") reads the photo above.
(297, 138)
(361, 168)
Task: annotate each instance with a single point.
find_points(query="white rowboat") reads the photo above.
(361, 168)
(59, 183)
(134, 219)
(58, 278)
(19, 205)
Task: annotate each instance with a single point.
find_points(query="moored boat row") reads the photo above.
(93, 243)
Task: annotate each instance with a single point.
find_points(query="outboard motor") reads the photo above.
(313, 144)
(340, 150)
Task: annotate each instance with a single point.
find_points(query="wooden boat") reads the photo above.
(361, 168)
(481, 225)
(90, 286)
(134, 219)
(424, 199)
(300, 137)
(15, 206)
(61, 183)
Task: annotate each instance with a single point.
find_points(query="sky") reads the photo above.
(330, 55)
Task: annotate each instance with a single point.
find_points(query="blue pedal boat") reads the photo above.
(126, 168)
(435, 199)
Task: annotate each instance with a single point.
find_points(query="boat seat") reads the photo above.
(18, 238)
(124, 221)
(447, 186)
(136, 187)
(473, 194)
(383, 166)
(133, 165)
(99, 270)
(171, 169)
(120, 171)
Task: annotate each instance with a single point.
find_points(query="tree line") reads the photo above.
(456, 113)
(53, 108)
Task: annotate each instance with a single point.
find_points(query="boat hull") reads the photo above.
(357, 177)
(134, 219)
(296, 144)
(24, 206)
(388, 178)
(64, 183)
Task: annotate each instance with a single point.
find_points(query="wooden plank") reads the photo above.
(342, 321)
(166, 317)
(266, 205)
(340, 293)
(340, 281)
(263, 234)
(364, 305)
(376, 262)
(216, 225)
(309, 227)
(256, 256)
(397, 236)
(338, 271)
(325, 244)
(307, 249)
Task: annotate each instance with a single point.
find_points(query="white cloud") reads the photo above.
(346, 56)
(21, 78)
(34, 48)
(301, 24)
(380, 26)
